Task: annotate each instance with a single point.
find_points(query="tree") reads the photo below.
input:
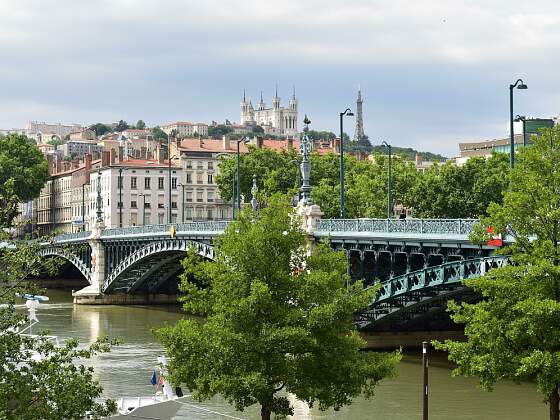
(159, 134)
(55, 141)
(513, 332)
(99, 129)
(219, 130)
(451, 191)
(23, 172)
(321, 135)
(140, 125)
(121, 126)
(277, 319)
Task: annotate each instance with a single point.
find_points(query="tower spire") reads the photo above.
(276, 90)
(294, 92)
(359, 133)
(244, 100)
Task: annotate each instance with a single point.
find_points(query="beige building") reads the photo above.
(185, 129)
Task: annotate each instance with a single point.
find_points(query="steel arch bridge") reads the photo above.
(152, 265)
(405, 300)
(80, 259)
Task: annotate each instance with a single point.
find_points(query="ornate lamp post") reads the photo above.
(348, 113)
(99, 211)
(389, 181)
(305, 149)
(519, 84)
(169, 218)
(523, 121)
(254, 190)
(297, 163)
(245, 140)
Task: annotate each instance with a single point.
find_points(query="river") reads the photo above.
(127, 370)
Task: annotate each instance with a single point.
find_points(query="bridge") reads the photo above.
(418, 262)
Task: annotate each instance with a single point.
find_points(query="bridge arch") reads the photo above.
(155, 260)
(57, 251)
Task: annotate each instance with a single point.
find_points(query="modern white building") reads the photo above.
(186, 129)
(275, 120)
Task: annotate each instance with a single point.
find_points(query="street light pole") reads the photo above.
(169, 220)
(120, 197)
(143, 209)
(389, 181)
(298, 163)
(349, 113)
(519, 84)
(182, 203)
(244, 140)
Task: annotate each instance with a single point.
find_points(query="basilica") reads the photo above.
(276, 120)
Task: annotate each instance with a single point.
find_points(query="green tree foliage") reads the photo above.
(38, 379)
(362, 145)
(321, 135)
(513, 333)
(99, 129)
(55, 141)
(121, 126)
(140, 125)
(409, 153)
(159, 134)
(23, 172)
(219, 130)
(450, 191)
(277, 319)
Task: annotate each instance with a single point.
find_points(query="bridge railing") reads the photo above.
(65, 237)
(180, 228)
(418, 226)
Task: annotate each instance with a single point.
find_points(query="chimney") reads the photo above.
(58, 165)
(418, 160)
(51, 164)
(66, 165)
(160, 155)
(200, 142)
(259, 142)
(112, 156)
(225, 140)
(121, 153)
(105, 158)
(88, 168)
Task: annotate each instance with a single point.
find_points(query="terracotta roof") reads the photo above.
(211, 145)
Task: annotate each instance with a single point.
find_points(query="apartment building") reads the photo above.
(185, 129)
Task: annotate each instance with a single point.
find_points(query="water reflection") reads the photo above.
(127, 369)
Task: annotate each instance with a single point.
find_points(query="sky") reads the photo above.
(433, 73)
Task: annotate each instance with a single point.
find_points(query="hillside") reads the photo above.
(410, 153)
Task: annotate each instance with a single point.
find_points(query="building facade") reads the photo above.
(275, 120)
(185, 129)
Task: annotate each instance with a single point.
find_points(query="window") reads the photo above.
(189, 164)
(174, 183)
(146, 205)
(199, 198)
(173, 204)
(133, 204)
(210, 196)
(160, 206)
(189, 197)
(199, 213)
(133, 182)
(160, 218)
(188, 213)
(209, 214)
(199, 165)
(147, 218)
(147, 183)
(199, 178)
(189, 178)
(160, 183)
(210, 166)
(210, 180)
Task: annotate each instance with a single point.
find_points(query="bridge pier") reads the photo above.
(126, 299)
(97, 276)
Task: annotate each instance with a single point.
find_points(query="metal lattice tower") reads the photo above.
(359, 133)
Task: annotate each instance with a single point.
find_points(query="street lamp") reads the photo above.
(389, 181)
(244, 140)
(182, 202)
(519, 84)
(169, 220)
(83, 210)
(120, 197)
(523, 120)
(143, 208)
(348, 113)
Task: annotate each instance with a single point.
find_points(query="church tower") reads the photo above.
(244, 109)
(276, 100)
(359, 133)
(261, 105)
(293, 101)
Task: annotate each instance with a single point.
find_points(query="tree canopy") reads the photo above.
(23, 172)
(99, 129)
(278, 318)
(217, 131)
(121, 126)
(140, 125)
(513, 332)
(159, 134)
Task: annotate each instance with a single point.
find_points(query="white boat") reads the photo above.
(163, 405)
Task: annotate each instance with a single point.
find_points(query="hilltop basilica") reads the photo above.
(276, 120)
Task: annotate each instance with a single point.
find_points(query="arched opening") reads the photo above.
(400, 263)
(384, 265)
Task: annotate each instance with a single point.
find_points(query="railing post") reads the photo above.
(421, 225)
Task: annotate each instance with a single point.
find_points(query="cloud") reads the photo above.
(430, 69)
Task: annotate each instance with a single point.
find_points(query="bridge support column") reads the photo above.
(97, 276)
